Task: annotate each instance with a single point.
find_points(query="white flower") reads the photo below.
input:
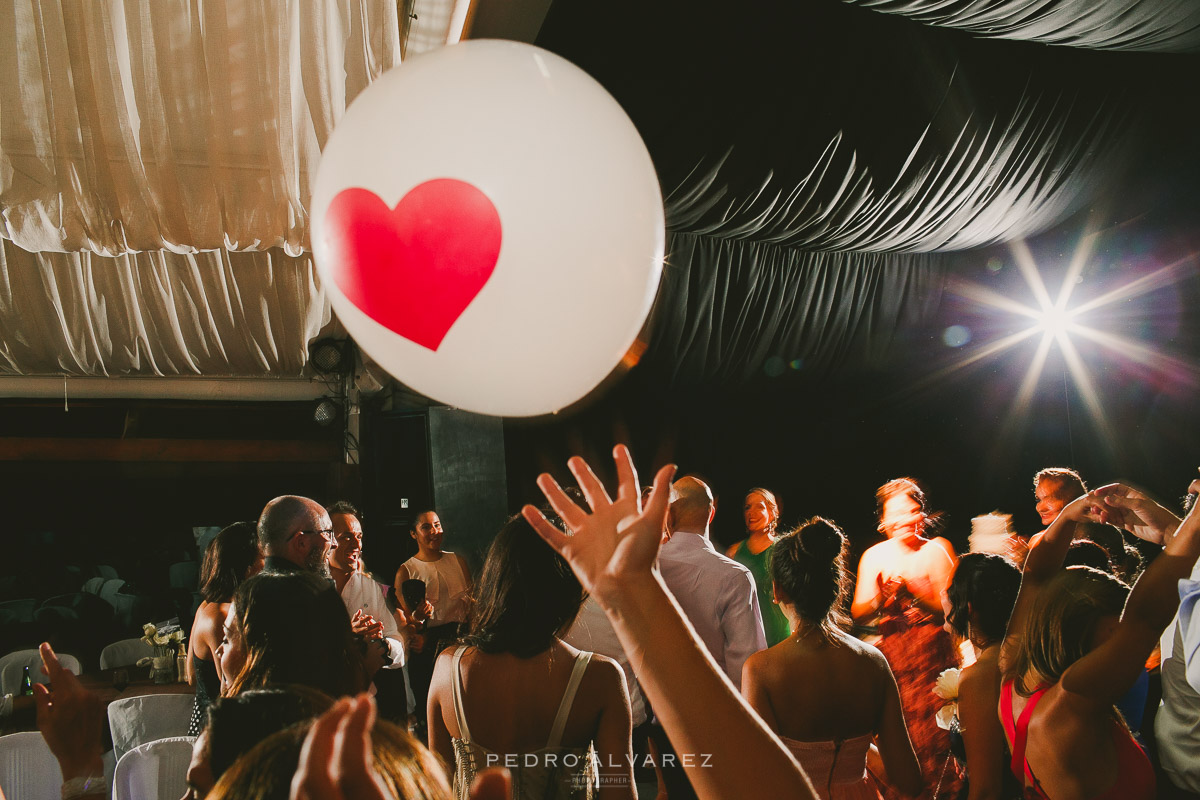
(947, 684)
(946, 714)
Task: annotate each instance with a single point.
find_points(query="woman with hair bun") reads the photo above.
(825, 693)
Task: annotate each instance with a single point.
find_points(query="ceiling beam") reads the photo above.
(163, 450)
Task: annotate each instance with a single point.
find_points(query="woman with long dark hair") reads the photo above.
(978, 604)
(231, 557)
(290, 628)
(514, 694)
(827, 694)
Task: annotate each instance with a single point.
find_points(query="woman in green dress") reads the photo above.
(761, 511)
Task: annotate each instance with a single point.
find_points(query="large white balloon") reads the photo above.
(489, 227)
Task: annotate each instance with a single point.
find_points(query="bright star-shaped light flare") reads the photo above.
(1058, 321)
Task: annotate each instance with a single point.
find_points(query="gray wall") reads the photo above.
(470, 491)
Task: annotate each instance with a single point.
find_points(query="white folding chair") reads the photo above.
(124, 652)
(154, 770)
(12, 669)
(28, 770)
(111, 587)
(137, 720)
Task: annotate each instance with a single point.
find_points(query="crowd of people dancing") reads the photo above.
(758, 673)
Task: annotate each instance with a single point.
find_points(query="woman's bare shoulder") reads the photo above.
(937, 545)
(860, 651)
(211, 615)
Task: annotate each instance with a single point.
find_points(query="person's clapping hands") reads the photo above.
(619, 540)
(1130, 509)
(71, 720)
(335, 760)
(364, 624)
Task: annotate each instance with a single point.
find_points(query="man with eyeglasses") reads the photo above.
(295, 534)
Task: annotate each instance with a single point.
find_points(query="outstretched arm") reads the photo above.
(1107, 672)
(1043, 563)
(612, 551)
(71, 720)
(1133, 511)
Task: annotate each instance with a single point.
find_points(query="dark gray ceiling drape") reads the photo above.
(811, 152)
(727, 307)
(1164, 26)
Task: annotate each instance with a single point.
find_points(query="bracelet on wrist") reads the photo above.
(81, 787)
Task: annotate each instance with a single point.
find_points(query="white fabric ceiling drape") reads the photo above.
(190, 125)
(214, 313)
(156, 161)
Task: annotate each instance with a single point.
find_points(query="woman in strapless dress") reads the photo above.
(826, 694)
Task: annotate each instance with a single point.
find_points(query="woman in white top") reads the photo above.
(447, 590)
(514, 694)
(824, 692)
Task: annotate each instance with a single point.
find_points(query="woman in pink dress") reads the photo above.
(827, 694)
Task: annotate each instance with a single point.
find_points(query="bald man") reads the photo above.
(294, 533)
(717, 594)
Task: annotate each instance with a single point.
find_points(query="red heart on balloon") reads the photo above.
(416, 267)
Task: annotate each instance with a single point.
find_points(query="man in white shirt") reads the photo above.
(364, 600)
(1177, 723)
(717, 594)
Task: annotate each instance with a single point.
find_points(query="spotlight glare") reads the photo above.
(1056, 321)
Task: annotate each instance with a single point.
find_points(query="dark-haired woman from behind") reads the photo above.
(978, 604)
(290, 627)
(825, 693)
(230, 558)
(513, 694)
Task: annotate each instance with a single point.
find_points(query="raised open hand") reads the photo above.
(1126, 507)
(71, 719)
(619, 540)
(335, 760)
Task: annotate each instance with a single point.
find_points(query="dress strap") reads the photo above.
(1017, 764)
(1019, 731)
(564, 708)
(460, 716)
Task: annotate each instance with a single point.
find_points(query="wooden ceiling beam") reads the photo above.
(176, 450)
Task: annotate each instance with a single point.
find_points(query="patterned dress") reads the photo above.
(918, 649)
